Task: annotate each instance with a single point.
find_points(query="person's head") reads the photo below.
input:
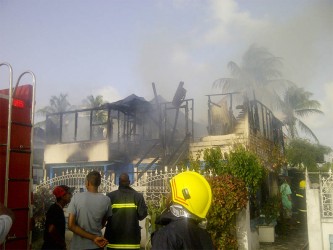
(285, 178)
(191, 191)
(124, 180)
(93, 179)
(63, 194)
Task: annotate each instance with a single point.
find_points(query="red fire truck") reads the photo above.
(16, 133)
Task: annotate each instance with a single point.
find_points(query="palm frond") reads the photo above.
(306, 130)
(236, 71)
(226, 84)
(306, 112)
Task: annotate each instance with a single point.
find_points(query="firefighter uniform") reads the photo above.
(301, 202)
(122, 229)
(183, 221)
(180, 233)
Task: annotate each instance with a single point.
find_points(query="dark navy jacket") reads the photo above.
(122, 229)
(180, 233)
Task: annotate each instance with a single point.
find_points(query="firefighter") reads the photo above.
(128, 208)
(301, 202)
(185, 218)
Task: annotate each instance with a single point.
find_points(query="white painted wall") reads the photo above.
(59, 153)
(247, 239)
(319, 229)
(313, 219)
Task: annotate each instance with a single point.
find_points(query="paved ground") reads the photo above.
(295, 239)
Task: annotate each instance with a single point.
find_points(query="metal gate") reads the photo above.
(153, 185)
(76, 179)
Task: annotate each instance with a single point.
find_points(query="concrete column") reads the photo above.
(314, 219)
(244, 234)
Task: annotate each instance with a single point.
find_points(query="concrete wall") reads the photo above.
(319, 229)
(247, 239)
(327, 229)
(313, 218)
(225, 142)
(88, 151)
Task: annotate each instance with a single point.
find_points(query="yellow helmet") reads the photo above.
(302, 184)
(192, 191)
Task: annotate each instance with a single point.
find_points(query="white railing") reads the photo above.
(153, 184)
(324, 182)
(326, 191)
(76, 178)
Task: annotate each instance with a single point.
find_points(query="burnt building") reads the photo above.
(233, 119)
(129, 135)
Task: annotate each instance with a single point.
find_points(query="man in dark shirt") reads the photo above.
(55, 224)
(128, 208)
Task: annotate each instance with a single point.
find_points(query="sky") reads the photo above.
(115, 48)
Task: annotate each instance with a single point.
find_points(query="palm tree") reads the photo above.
(93, 102)
(57, 104)
(297, 103)
(259, 76)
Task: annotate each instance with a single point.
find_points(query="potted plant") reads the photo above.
(270, 212)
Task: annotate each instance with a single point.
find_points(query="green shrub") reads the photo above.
(229, 198)
(42, 200)
(239, 162)
(271, 209)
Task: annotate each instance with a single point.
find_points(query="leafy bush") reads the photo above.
(154, 211)
(42, 200)
(229, 198)
(303, 154)
(271, 209)
(239, 162)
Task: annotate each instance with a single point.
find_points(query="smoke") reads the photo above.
(165, 42)
(197, 50)
(109, 93)
(223, 30)
(304, 41)
(322, 124)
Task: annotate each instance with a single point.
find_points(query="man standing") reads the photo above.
(88, 212)
(286, 198)
(301, 203)
(128, 207)
(55, 224)
(6, 220)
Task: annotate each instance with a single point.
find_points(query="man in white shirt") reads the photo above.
(6, 220)
(88, 212)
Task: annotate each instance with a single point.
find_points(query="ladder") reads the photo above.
(16, 147)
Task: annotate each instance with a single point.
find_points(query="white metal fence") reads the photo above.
(326, 191)
(153, 185)
(324, 182)
(76, 178)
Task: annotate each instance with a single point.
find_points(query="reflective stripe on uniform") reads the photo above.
(299, 195)
(124, 205)
(123, 246)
